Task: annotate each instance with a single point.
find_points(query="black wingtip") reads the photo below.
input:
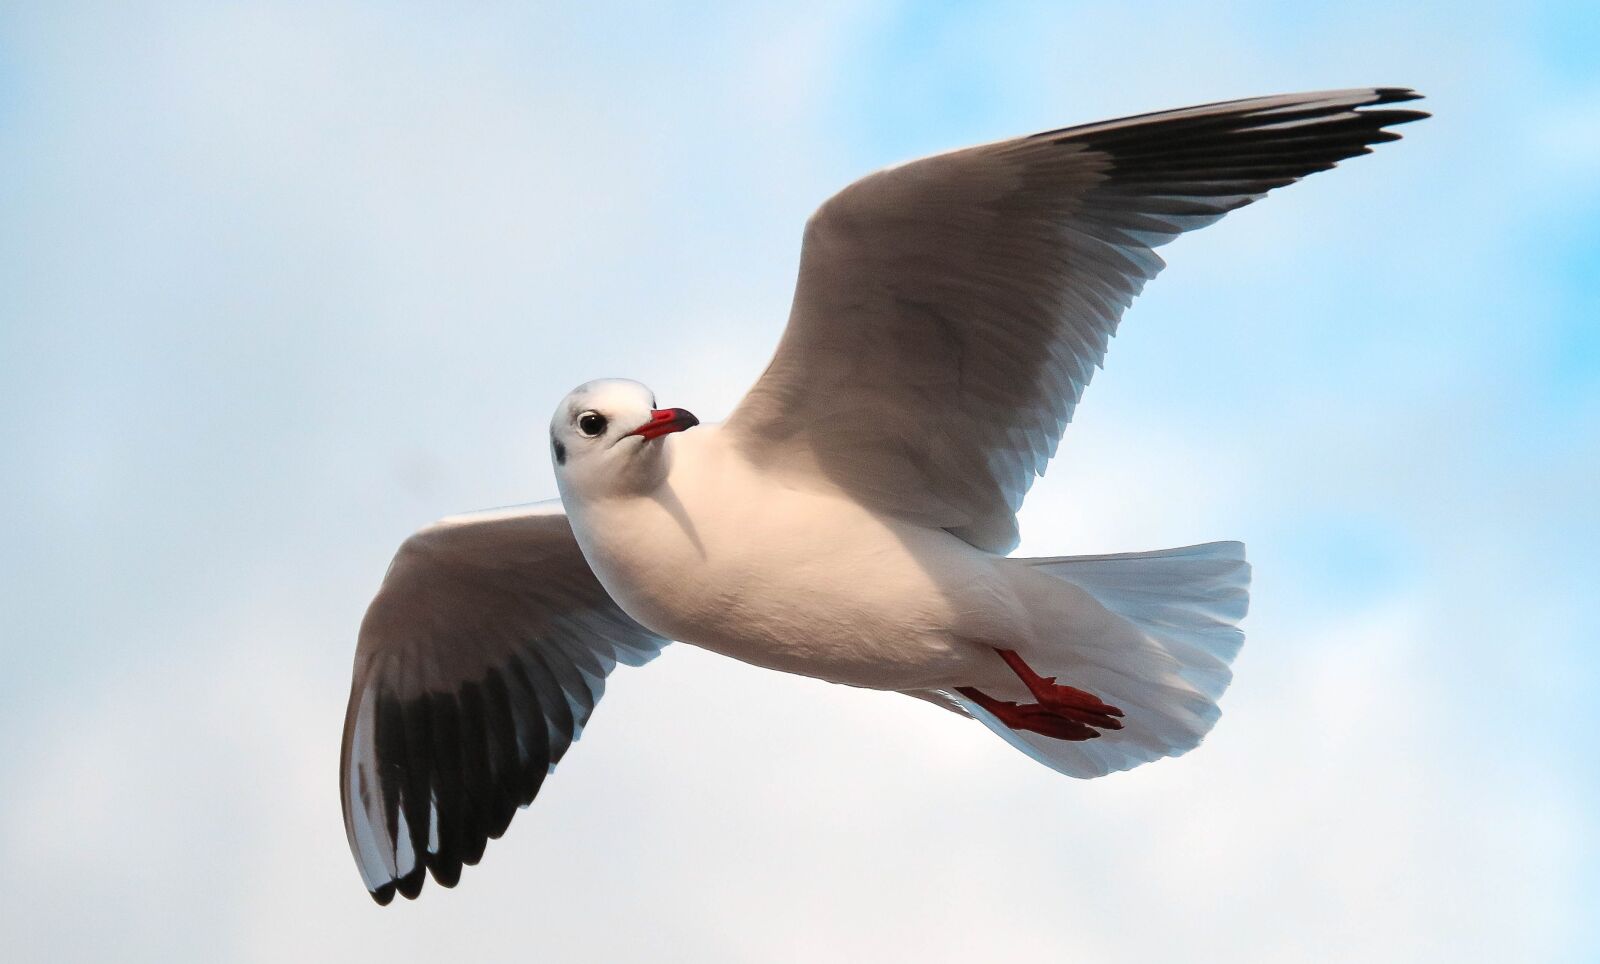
(1389, 118)
(1394, 95)
(445, 873)
(411, 884)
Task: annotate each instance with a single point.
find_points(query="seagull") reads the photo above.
(851, 519)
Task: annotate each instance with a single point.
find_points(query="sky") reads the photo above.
(281, 282)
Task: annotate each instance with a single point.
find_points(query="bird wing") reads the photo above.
(478, 664)
(950, 311)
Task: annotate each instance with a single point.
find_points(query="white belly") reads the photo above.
(798, 581)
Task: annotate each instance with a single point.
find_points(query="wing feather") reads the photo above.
(479, 661)
(950, 312)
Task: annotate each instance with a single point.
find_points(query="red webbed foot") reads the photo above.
(1062, 712)
(1076, 704)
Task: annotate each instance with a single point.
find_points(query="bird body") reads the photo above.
(852, 519)
(723, 557)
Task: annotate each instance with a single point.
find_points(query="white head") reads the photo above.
(606, 439)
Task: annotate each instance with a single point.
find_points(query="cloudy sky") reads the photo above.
(280, 282)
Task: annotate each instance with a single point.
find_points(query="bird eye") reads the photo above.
(592, 424)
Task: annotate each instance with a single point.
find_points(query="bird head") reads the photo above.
(608, 438)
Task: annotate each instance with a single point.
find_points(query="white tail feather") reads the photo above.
(1184, 606)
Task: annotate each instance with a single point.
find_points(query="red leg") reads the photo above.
(1059, 696)
(1030, 716)
(1063, 712)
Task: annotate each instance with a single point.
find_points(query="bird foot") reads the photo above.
(1081, 704)
(1061, 711)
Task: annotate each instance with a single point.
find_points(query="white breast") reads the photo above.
(724, 558)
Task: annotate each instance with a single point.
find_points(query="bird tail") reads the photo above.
(1182, 608)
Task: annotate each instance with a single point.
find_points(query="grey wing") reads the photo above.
(950, 311)
(478, 663)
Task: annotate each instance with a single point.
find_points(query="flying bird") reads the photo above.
(851, 519)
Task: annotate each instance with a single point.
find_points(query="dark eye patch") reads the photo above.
(560, 450)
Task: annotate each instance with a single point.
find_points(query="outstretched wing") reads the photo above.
(478, 664)
(950, 311)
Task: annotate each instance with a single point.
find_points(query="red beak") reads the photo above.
(665, 421)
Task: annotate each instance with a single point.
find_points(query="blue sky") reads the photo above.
(280, 282)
